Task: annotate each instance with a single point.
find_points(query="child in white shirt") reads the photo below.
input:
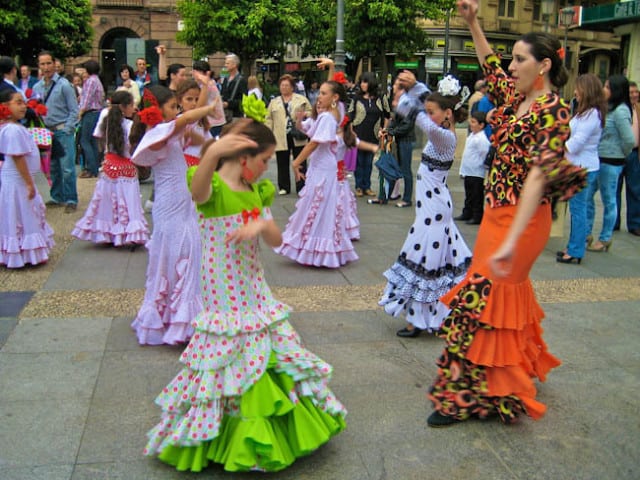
(473, 170)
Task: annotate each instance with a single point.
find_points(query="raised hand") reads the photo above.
(467, 9)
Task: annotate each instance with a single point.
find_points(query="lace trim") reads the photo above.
(434, 273)
(435, 163)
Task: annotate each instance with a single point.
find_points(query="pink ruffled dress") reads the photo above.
(172, 291)
(316, 233)
(346, 197)
(25, 235)
(114, 214)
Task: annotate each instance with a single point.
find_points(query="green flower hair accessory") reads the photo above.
(254, 108)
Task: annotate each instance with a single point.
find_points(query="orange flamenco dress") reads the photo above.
(494, 339)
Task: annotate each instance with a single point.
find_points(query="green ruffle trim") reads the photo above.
(270, 434)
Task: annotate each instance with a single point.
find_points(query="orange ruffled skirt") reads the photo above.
(493, 334)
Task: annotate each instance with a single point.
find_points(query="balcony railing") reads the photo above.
(120, 4)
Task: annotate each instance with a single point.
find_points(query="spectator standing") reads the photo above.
(62, 117)
(480, 90)
(9, 72)
(582, 150)
(631, 171)
(312, 92)
(253, 84)
(616, 144)
(129, 84)
(473, 170)
(369, 113)
(233, 87)
(91, 103)
(143, 77)
(281, 114)
(26, 80)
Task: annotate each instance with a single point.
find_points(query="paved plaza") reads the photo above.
(77, 391)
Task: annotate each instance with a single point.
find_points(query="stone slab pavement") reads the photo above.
(77, 391)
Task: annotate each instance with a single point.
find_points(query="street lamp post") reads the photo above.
(547, 7)
(445, 63)
(566, 15)
(339, 55)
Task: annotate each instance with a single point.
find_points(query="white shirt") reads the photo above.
(582, 146)
(475, 151)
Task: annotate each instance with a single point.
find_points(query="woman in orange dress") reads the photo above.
(494, 345)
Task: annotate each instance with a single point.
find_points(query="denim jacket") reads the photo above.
(617, 139)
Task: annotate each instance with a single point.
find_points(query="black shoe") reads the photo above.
(473, 221)
(394, 198)
(561, 253)
(461, 218)
(437, 420)
(406, 333)
(569, 259)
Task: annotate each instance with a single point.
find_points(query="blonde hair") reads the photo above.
(253, 82)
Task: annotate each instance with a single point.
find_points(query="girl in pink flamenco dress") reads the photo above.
(25, 235)
(172, 291)
(316, 233)
(115, 214)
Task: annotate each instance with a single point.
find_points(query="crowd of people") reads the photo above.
(249, 395)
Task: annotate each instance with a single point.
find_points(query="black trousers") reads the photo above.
(283, 159)
(473, 198)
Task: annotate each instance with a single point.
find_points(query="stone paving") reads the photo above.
(76, 390)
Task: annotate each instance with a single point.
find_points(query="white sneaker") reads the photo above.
(148, 206)
(282, 192)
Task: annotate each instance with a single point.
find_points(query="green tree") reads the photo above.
(29, 26)
(248, 28)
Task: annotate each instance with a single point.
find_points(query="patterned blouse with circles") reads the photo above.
(535, 138)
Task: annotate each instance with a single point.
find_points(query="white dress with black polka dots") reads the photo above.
(434, 257)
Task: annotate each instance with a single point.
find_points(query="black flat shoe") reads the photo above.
(437, 420)
(569, 259)
(560, 253)
(461, 218)
(397, 197)
(406, 333)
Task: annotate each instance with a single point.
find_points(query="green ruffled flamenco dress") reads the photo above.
(250, 396)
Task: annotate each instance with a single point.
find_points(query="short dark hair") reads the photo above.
(481, 117)
(128, 68)
(201, 66)
(92, 67)
(6, 65)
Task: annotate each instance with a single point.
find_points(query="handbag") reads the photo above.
(42, 136)
(291, 126)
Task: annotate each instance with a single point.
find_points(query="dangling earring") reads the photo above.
(446, 124)
(334, 104)
(538, 83)
(247, 174)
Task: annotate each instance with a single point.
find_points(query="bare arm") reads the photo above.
(308, 149)
(162, 62)
(530, 196)
(327, 63)
(197, 113)
(468, 10)
(268, 229)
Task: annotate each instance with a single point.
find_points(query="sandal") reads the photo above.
(403, 204)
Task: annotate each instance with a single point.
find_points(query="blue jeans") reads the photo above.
(578, 209)
(631, 178)
(63, 168)
(405, 148)
(364, 163)
(607, 183)
(88, 142)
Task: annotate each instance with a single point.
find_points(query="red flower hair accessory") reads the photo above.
(5, 113)
(151, 116)
(28, 93)
(344, 121)
(41, 110)
(32, 103)
(149, 99)
(340, 78)
(561, 53)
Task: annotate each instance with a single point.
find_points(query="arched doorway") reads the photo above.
(118, 46)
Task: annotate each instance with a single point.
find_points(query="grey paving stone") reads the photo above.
(7, 325)
(62, 376)
(49, 335)
(121, 336)
(40, 472)
(39, 433)
(12, 303)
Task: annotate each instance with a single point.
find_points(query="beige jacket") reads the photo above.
(277, 118)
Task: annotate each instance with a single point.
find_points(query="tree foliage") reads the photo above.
(29, 26)
(248, 28)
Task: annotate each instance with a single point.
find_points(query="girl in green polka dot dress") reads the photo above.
(250, 396)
